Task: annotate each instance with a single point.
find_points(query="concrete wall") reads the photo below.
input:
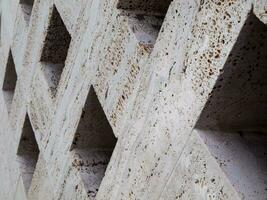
(119, 99)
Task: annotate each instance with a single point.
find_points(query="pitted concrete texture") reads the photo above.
(133, 100)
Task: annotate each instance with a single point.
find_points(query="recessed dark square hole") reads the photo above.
(26, 6)
(55, 50)
(233, 122)
(145, 18)
(28, 153)
(93, 144)
(10, 81)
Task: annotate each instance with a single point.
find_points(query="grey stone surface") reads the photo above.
(133, 99)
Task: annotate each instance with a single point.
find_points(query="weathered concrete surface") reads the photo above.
(156, 71)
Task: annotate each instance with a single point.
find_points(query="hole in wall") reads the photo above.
(55, 50)
(26, 6)
(145, 18)
(28, 153)
(93, 144)
(233, 122)
(10, 81)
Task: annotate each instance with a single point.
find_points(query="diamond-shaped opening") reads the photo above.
(28, 153)
(233, 123)
(55, 50)
(26, 6)
(93, 144)
(145, 18)
(10, 81)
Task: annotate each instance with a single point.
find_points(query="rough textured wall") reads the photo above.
(121, 99)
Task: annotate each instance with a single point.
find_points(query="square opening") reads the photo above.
(233, 123)
(55, 50)
(93, 144)
(10, 81)
(27, 154)
(26, 6)
(145, 18)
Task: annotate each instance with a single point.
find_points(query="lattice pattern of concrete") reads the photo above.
(124, 99)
